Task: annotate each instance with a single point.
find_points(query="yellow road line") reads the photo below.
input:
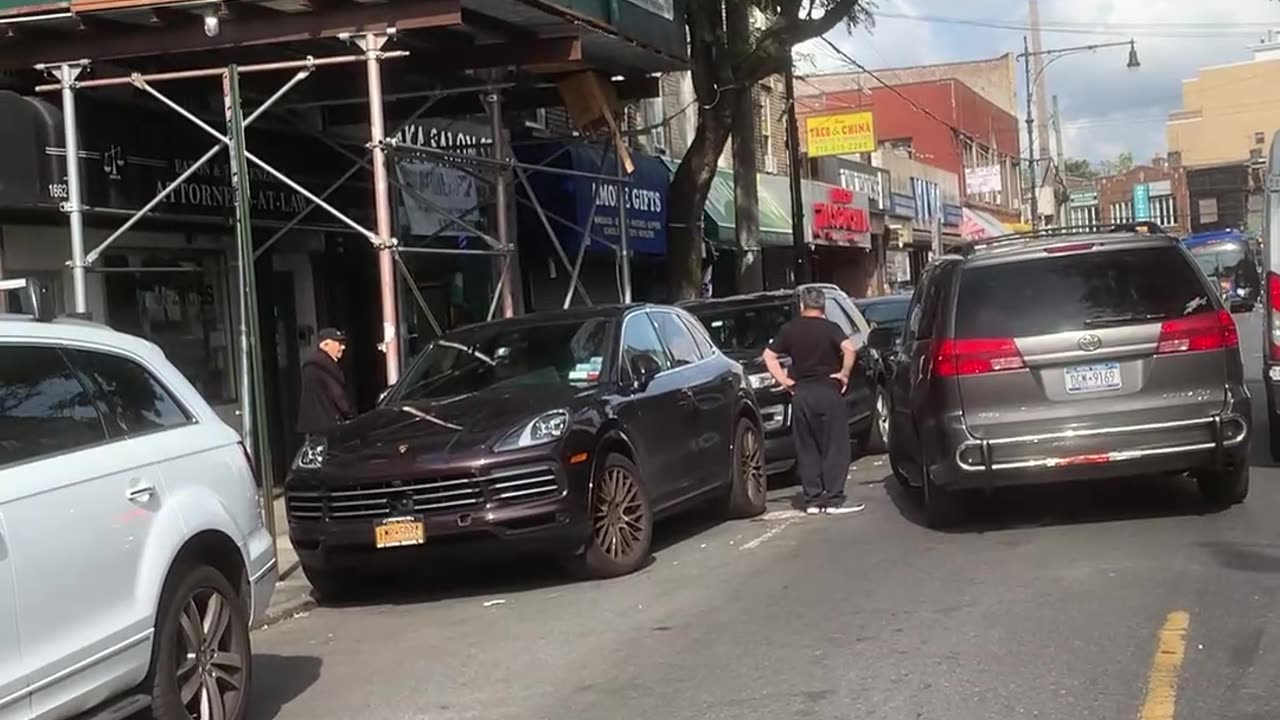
(1162, 681)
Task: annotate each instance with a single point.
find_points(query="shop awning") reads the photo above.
(978, 225)
(718, 214)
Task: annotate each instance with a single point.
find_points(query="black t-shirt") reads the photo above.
(813, 343)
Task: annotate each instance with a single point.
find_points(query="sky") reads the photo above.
(1106, 109)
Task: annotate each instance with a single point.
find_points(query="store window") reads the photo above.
(179, 301)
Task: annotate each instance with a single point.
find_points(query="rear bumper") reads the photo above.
(1176, 446)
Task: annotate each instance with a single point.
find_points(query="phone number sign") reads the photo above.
(840, 134)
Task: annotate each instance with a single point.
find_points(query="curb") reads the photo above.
(286, 610)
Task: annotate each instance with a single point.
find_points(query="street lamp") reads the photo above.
(1055, 54)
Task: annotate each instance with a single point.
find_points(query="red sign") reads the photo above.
(835, 219)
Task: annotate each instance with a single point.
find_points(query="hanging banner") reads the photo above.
(984, 179)
(452, 193)
(840, 134)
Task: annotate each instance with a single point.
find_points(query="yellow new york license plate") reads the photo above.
(398, 532)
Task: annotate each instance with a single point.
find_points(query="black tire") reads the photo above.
(749, 490)
(334, 586)
(1273, 427)
(186, 606)
(941, 507)
(1225, 488)
(617, 546)
(877, 436)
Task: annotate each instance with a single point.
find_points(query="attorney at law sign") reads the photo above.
(840, 134)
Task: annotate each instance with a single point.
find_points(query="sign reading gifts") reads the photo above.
(840, 134)
(841, 219)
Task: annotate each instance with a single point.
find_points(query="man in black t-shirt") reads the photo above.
(821, 359)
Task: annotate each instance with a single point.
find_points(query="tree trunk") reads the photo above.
(689, 190)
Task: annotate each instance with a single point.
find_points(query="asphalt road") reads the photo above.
(1047, 603)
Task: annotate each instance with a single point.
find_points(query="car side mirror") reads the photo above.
(644, 368)
(881, 339)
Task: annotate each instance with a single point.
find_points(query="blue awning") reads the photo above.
(570, 200)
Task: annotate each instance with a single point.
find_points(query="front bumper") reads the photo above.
(1100, 452)
(779, 448)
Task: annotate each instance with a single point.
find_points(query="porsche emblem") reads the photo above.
(403, 449)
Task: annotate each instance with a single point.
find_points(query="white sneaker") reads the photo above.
(814, 510)
(845, 509)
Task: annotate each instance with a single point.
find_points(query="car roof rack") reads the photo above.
(35, 297)
(1145, 227)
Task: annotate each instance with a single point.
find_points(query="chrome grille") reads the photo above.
(442, 494)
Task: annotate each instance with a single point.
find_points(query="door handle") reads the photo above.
(141, 493)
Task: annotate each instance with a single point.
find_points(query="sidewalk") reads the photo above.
(293, 593)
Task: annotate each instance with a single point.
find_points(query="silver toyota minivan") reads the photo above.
(1066, 355)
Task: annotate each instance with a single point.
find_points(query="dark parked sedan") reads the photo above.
(743, 325)
(566, 432)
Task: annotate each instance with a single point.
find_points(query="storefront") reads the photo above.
(873, 183)
(908, 247)
(578, 208)
(838, 226)
(172, 278)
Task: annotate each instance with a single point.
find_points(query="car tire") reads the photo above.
(621, 520)
(1273, 426)
(334, 586)
(1224, 488)
(222, 668)
(877, 436)
(749, 491)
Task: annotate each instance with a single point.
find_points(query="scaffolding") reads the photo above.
(502, 170)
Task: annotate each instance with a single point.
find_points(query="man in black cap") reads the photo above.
(324, 402)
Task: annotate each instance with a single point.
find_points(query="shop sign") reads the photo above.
(1083, 198)
(841, 219)
(869, 183)
(985, 179)
(902, 205)
(840, 134)
(433, 193)
(928, 197)
(1141, 202)
(952, 215)
(1161, 188)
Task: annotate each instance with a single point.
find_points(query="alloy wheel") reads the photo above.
(619, 517)
(212, 657)
(752, 465)
(882, 415)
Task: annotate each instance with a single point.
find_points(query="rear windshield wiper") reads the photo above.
(1125, 319)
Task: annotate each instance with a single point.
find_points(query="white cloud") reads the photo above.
(1105, 108)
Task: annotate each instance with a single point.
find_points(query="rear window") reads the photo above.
(1078, 292)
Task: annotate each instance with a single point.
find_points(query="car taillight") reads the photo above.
(1273, 312)
(975, 356)
(1206, 331)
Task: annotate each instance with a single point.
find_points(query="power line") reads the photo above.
(1188, 31)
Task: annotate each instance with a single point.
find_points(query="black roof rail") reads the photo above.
(1144, 226)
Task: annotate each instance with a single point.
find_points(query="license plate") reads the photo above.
(1093, 378)
(399, 532)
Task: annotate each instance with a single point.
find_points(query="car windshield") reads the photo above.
(744, 329)
(570, 352)
(1220, 259)
(886, 313)
(1074, 292)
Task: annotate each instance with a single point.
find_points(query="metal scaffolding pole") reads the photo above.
(624, 251)
(67, 74)
(500, 181)
(253, 401)
(372, 44)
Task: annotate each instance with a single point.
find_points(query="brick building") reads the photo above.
(1160, 188)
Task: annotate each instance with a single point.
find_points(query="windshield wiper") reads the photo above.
(1125, 319)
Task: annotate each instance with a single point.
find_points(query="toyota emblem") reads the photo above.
(1090, 342)
(403, 449)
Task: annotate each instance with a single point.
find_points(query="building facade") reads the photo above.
(1156, 193)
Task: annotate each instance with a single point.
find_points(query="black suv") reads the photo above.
(743, 325)
(565, 432)
(1052, 357)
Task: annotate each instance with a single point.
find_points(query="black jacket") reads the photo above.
(323, 402)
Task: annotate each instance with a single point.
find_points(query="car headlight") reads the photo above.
(310, 456)
(543, 429)
(760, 381)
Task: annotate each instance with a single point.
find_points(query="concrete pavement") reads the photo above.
(1058, 602)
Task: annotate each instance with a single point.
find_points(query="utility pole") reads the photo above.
(1041, 95)
(1031, 139)
(745, 186)
(1059, 207)
(803, 272)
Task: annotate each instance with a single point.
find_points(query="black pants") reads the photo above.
(820, 428)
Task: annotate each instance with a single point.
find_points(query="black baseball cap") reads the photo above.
(332, 334)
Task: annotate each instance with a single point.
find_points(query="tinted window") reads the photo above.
(570, 352)
(640, 338)
(705, 348)
(837, 315)
(742, 329)
(676, 336)
(1222, 260)
(131, 395)
(892, 313)
(1061, 294)
(43, 407)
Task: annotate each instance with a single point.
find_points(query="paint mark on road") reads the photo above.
(770, 533)
(782, 515)
(1162, 681)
